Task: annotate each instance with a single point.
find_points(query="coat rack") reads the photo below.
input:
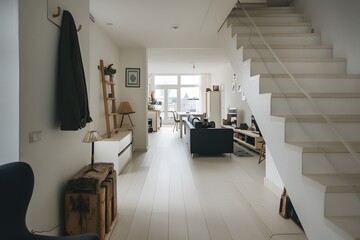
(54, 13)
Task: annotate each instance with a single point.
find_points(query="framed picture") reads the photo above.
(132, 77)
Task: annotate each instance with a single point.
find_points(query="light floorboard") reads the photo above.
(166, 193)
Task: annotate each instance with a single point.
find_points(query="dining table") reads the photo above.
(185, 114)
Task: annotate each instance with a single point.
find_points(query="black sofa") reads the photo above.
(203, 139)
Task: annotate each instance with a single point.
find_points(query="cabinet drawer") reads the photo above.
(124, 158)
(124, 142)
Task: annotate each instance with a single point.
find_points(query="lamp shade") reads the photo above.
(125, 108)
(91, 136)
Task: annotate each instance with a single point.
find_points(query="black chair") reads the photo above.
(16, 186)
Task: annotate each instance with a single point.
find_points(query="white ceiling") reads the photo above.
(149, 24)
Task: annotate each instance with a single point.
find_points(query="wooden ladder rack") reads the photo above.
(109, 97)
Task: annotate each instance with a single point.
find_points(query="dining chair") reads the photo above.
(176, 121)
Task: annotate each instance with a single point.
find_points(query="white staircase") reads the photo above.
(317, 161)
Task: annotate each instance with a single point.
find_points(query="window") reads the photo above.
(165, 80)
(190, 80)
(178, 93)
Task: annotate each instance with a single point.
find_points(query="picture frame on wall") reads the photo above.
(132, 77)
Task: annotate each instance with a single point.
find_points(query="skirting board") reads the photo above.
(274, 188)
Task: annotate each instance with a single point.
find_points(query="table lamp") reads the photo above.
(91, 137)
(125, 109)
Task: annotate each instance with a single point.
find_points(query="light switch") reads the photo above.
(35, 136)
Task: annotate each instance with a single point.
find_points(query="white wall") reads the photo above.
(101, 47)
(338, 24)
(137, 97)
(60, 154)
(272, 177)
(9, 81)
(224, 76)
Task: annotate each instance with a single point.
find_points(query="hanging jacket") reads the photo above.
(72, 93)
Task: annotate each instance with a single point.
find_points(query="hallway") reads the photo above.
(166, 194)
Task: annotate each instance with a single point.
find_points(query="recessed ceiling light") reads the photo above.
(175, 28)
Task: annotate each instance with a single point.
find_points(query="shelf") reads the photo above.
(108, 96)
(109, 82)
(247, 138)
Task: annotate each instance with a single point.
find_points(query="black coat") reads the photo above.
(72, 93)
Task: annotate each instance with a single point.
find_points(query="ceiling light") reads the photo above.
(175, 28)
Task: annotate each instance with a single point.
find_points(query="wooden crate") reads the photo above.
(113, 177)
(107, 184)
(88, 180)
(85, 213)
(91, 200)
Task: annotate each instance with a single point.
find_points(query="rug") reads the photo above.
(240, 151)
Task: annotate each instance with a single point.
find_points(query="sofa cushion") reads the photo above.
(197, 123)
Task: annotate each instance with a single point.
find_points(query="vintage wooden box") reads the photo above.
(91, 200)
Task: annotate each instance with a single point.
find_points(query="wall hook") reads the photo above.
(58, 12)
(55, 15)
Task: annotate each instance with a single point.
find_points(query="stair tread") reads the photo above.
(280, 34)
(336, 183)
(267, 15)
(271, 24)
(348, 224)
(261, 6)
(301, 59)
(340, 76)
(283, 46)
(327, 147)
(240, 14)
(316, 95)
(321, 119)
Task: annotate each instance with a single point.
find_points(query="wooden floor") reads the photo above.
(166, 194)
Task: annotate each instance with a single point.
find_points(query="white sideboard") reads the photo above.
(117, 150)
